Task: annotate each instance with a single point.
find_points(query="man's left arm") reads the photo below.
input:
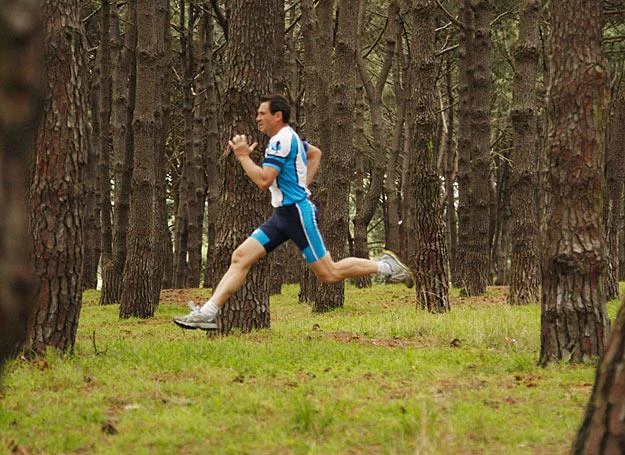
(262, 176)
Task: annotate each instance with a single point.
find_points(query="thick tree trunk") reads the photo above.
(138, 297)
(243, 207)
(525, 266)
(427, 253)
(477, 248)
(574, 321)
(21, 97)
(57, 189)
(336, 165)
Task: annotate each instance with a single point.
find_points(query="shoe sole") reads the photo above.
(405, 268)
(201, 326)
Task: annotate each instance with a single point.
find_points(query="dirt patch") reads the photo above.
(351, 337)
(495, 295)
(182, 296)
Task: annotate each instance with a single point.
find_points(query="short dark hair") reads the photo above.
(278, 103)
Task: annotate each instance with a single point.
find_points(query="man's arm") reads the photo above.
(263, 176)
(313, 158)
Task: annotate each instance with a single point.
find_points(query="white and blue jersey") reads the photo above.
(287, 153)
(295, 216)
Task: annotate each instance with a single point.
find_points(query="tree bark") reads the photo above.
(525, 265)
(57, 191)
(603, 427)
(466, 96)
(242, 206)
(104, 119)
(123, 90)
(427, 253)
(92, 233)
(451, 171)
(211, 153)
(574, 324)
(138, 297)
(317, 42)
(477, 248)
(614, 172)
(333, 196)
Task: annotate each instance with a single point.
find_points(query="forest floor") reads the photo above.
(376, 376)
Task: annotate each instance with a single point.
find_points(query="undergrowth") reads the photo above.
(377, 376)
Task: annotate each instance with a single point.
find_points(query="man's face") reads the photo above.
(268, 123)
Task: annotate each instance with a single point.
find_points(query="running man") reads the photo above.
(288, 169)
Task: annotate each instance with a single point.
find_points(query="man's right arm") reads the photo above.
(313, 158)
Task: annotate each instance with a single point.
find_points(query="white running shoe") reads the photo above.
(195, 319)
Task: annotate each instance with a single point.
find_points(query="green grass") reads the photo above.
(377, 376)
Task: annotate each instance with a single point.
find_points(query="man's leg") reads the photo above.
(388, 265)
(329, 271)
(246, 255)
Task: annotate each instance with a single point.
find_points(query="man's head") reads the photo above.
(273, 113)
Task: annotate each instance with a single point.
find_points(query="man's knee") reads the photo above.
(240, 257)
(327, 275)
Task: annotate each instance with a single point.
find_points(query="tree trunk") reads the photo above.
(138, 296)
(574, 321)
(427, 253)
(242, 206)
(92, 234)
(603, 428)
(392, 182)
(500, 218)
(211, 153)
(317, 41)
(451, 170)
(466, 95)
(525, 266)
(123, 90)
(57, 190)
(104, 119)
(361, 247)
(167, 76)
(159, 235)
(477, 248)
(614, 171)
(21, 99)
(333, 196)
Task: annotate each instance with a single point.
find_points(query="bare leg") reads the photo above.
(329, 271)
(246, 255)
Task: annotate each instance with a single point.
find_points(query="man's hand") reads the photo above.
(238, 144)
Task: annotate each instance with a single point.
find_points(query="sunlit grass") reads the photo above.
(377, 376)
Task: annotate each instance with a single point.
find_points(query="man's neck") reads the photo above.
(277, 129)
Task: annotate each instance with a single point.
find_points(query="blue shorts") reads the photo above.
(297, 222)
